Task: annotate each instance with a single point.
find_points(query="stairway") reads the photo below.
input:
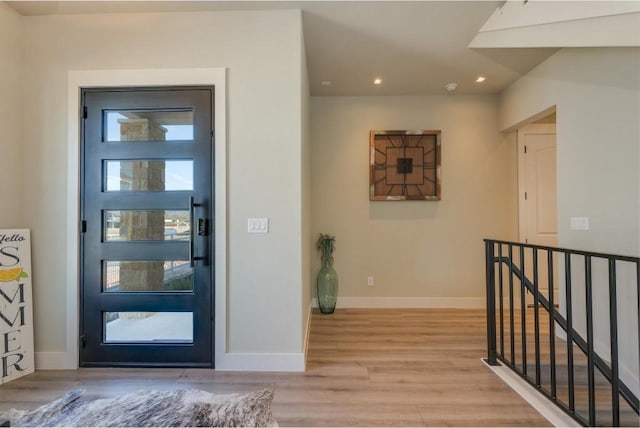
(603, 394)
(541, 344)
(603, 413)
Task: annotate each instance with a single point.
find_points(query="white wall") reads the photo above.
(11, 150)
(420, 253)
(596, 92)
(262, 53)
(306, 197)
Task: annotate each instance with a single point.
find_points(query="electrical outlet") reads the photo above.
(370, 281)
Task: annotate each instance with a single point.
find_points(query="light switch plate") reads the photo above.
(579, 223)
(258, 225)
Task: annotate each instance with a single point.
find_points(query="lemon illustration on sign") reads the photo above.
(13, 274)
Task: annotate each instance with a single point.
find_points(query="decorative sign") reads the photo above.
(16, 310)
(404, 165)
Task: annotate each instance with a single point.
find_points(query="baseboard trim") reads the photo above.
(554, 415)
(230, 362)
(261, 362)
(54, 361)
(408, 302)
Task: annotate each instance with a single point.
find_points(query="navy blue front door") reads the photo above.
(147, 224)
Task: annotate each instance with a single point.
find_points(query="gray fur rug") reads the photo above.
(181, 408)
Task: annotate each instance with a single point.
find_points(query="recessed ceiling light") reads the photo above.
(480, 79)
(451, 86)
(377, 81)
(325, 83)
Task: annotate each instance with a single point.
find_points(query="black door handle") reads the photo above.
(201, 231)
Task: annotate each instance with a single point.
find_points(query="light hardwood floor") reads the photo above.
(382, 367)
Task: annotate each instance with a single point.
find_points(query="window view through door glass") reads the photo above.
(148, 327)
(142, 225)
(141, 175)
(146, 276)
(155, 125)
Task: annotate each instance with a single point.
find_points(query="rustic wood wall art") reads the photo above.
(404, 165)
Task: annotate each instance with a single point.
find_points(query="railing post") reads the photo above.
(523, 312)
(512, 339)
(500, 298)
(536, 316)
(569, 318)
(491, 304)
(552, 327)
(613, 338)
(590, 351)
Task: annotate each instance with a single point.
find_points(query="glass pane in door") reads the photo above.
(143, 225)
(154, 125)
(147, 276)
(148, 327)
(142, 175)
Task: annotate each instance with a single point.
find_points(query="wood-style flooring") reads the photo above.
(365, 367)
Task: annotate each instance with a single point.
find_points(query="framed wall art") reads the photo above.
(404, 165)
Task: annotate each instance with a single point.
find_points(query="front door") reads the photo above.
(146, 241)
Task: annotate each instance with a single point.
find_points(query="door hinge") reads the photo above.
(525, 196)
(83, 226)
(85, 112)
(525, 150)
(83, 340)
(212, 133)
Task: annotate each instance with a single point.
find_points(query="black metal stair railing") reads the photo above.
(508, 263)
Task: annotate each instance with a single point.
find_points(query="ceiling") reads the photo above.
(415, 47)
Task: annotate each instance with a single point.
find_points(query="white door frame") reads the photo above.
(151, 77)
(523, 213)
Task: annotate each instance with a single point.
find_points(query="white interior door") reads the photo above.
(537, 178)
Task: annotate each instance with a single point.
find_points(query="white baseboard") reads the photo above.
(408, 302)
(550, 412)
(54, 361)
(294, 362)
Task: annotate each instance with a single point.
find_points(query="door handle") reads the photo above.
(203, 226)
(192, 229)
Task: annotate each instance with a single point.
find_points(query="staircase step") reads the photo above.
(628, 417)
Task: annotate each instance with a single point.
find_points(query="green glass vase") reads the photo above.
(327, 287)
